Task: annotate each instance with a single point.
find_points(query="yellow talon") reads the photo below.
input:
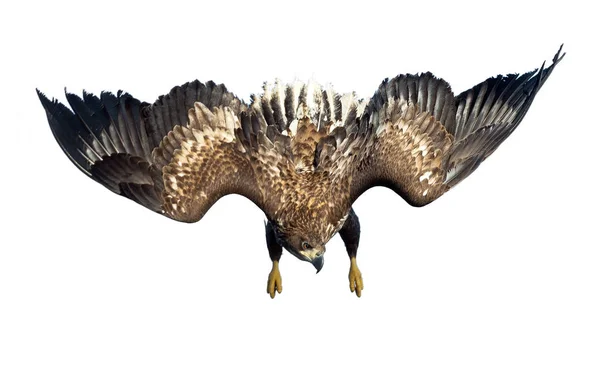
(356, 282)
(274, 282)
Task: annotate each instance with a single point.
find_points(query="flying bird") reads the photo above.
(302, 152)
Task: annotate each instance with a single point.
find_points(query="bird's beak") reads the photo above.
(318, 262)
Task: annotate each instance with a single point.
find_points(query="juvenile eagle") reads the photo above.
(301, 152)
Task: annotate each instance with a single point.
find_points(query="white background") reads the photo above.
(497, 280)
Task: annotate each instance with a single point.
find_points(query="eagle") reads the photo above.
(300, 151)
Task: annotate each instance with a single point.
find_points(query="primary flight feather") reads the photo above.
(301, 152)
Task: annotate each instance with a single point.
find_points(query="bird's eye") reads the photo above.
(306, 246)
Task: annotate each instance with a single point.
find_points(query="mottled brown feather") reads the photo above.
(301, 152)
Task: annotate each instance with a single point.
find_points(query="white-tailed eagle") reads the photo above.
(301, 152)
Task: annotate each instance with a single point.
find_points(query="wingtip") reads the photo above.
(68, 95)
(41, 95)
(46, 102)
(106, 93)
(558, 56)
(544, 72)
(555, 60)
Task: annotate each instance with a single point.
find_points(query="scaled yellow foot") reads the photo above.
(274, 282)
(356, 282)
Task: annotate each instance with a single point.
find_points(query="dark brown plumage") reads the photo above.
(301, 152)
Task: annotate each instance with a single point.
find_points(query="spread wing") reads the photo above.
(416, 138)
(177, 156)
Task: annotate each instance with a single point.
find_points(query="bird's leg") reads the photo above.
(274, 282)
(350, 234)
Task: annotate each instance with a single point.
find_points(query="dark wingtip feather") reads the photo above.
(43, 98)
(47, 103)
(544, 73)
(63, 123)
(514, 94)
(556, 58)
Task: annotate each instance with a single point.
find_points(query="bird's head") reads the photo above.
(304, 243)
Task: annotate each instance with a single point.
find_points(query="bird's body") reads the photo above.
(301, 152)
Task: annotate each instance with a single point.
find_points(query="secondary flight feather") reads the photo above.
(302, 152)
